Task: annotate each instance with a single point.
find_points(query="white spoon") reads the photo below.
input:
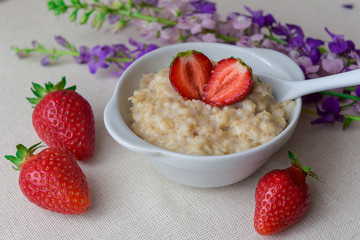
(286, 90)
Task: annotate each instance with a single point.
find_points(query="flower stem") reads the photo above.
(352, 117)
(271, 37)
(47, 51)
(119, 59)
(146, 17)
(341, 95)
(348, 105)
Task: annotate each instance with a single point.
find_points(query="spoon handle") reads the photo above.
(294, 89)
(345, 79)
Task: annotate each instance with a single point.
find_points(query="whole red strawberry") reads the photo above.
(64, 119)
(282, 198)
(51, 179)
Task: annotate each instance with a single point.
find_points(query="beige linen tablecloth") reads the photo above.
(130, 200)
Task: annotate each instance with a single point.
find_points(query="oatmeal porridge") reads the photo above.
(163, 118)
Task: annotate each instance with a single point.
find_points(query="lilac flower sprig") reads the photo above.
(99, 56)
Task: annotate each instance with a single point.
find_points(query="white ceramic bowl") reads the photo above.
(192, 170)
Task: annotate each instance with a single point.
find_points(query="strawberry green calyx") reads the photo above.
(306, 170)
(21, 154)
(184, 54)
(244, 64)
(40, 91)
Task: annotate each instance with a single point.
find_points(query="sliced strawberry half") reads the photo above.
(188, 73)
(229, 82)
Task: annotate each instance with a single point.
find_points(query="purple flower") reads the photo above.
(141, 48)
(209, 37)
(120, 50)
(260, 19)
(35, 43)
(332, 65)
(173, 8)
(357, 91)
(355, 60)
(21, 53)
(98, 58)
(62, 41)
(84, 55)
(297, 36)
(114, 18)
(238, 21)
(293, 34)
(169, 35)
(310, 70)
(202, 6)
(338, 44)
(150, 30)
(330, 112)
(249, 41)
(45, 60)
(348, 6)
(311, 48)
(196, 23)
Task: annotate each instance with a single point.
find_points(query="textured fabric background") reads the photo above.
(130, 200)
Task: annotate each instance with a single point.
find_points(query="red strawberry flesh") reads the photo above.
(229, 82)
(188, 73)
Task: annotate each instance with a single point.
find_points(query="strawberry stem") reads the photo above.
(21, 154)
(296, 163)
(40, 91)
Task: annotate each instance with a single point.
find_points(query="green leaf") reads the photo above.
(16, 161)
(73, 15)
(61, 2)
(33, 148)
(85, 17)
(347, 122)
(322, 49)
(11, 158)
(98, 20)
(49, 86)
(36, 93)
(18, 155)
(60, 85)
(51, 5)
(73, 88)
(22, 150)
(34, 101)
(39, 89)
(291, 155)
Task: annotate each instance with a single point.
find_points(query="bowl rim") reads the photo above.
(153, 149)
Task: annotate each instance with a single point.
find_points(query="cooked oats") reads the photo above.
(163, 118)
